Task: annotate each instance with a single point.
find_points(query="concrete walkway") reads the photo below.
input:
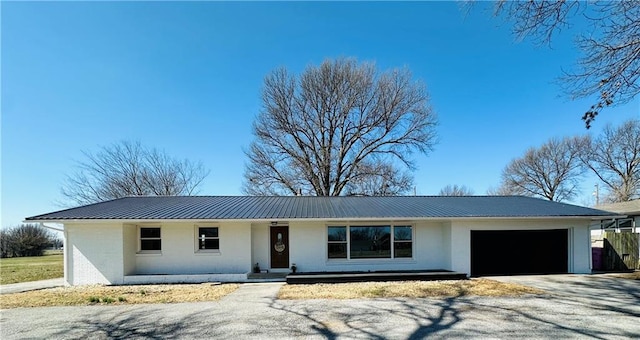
(253, 293)
(33, 285)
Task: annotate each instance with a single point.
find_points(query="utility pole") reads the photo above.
(596, 193)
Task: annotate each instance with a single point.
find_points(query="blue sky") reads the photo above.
(186, 78)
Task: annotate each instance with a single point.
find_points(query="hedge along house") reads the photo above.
(199, 239)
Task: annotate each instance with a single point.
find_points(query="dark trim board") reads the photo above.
(519, 252)
(381, 276)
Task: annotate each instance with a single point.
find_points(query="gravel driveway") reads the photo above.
(577, 307)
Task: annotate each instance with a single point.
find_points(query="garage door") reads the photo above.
(508, 252)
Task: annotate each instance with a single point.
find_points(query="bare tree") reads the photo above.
(337, 126)
(379, 179)
(455, 190)
(609, 67)
(551, 171)
(502, 190)
(614, 156)
(130, 169)
(25, 240)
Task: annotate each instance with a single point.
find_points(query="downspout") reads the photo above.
(65, 251)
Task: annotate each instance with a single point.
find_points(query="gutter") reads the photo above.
(344, 219)
(49, 227)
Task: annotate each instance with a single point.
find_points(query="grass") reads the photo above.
(408, 289)
(117, 295)
(632, 276)
(24, 269)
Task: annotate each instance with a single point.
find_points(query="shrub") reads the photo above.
(25, 240)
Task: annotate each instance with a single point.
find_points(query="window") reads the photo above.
(337, 237)
(625, 223)
(208, 238)
(370, 242)
(150, 239)
(402, 241)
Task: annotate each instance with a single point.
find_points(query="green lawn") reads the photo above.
(23, 269)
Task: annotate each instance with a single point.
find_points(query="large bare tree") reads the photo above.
(455, 190)
(502, 190)
(379, 179)
(614, 156)
(551, 171)
(130, 169)
(609, 69)
(338, 128)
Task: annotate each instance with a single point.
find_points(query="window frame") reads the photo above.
(197, 239)
(392, 242)
(405, 241)
(345, 242)
(140, 239)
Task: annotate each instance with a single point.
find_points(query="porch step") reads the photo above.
(341, 277)
(266, 276)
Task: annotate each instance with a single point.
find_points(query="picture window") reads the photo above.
(370, 242)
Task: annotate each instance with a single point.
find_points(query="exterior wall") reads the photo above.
(107, 253)
(308, 249)
(180, 256)
(446, 244)
(183, 278)
(580, 246)
(130, 246)
(260, 245)
(95, 254)
(579, 240)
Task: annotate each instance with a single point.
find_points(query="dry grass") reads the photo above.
(117, 295)
(23, 269)
(632, 276)
(409, 289)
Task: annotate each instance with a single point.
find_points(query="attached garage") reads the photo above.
(508, 252)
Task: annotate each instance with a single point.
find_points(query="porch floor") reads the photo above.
(341, 277)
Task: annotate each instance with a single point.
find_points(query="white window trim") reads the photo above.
(196, 240)
(345, 242)
(393, 241)
(139, 241)
(392, 258)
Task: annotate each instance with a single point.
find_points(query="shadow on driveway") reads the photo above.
(575, 306)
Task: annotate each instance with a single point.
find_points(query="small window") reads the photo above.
(625, 223)
(208, 238)
(150, 239)
(402, 241)
(337, 239)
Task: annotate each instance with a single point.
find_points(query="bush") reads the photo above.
(25, 240)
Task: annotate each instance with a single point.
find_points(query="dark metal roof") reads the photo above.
(306, 207)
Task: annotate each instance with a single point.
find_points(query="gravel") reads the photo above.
(576, 307)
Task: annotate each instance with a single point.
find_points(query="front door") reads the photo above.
(280, 247)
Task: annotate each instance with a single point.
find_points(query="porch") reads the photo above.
(374, 276)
